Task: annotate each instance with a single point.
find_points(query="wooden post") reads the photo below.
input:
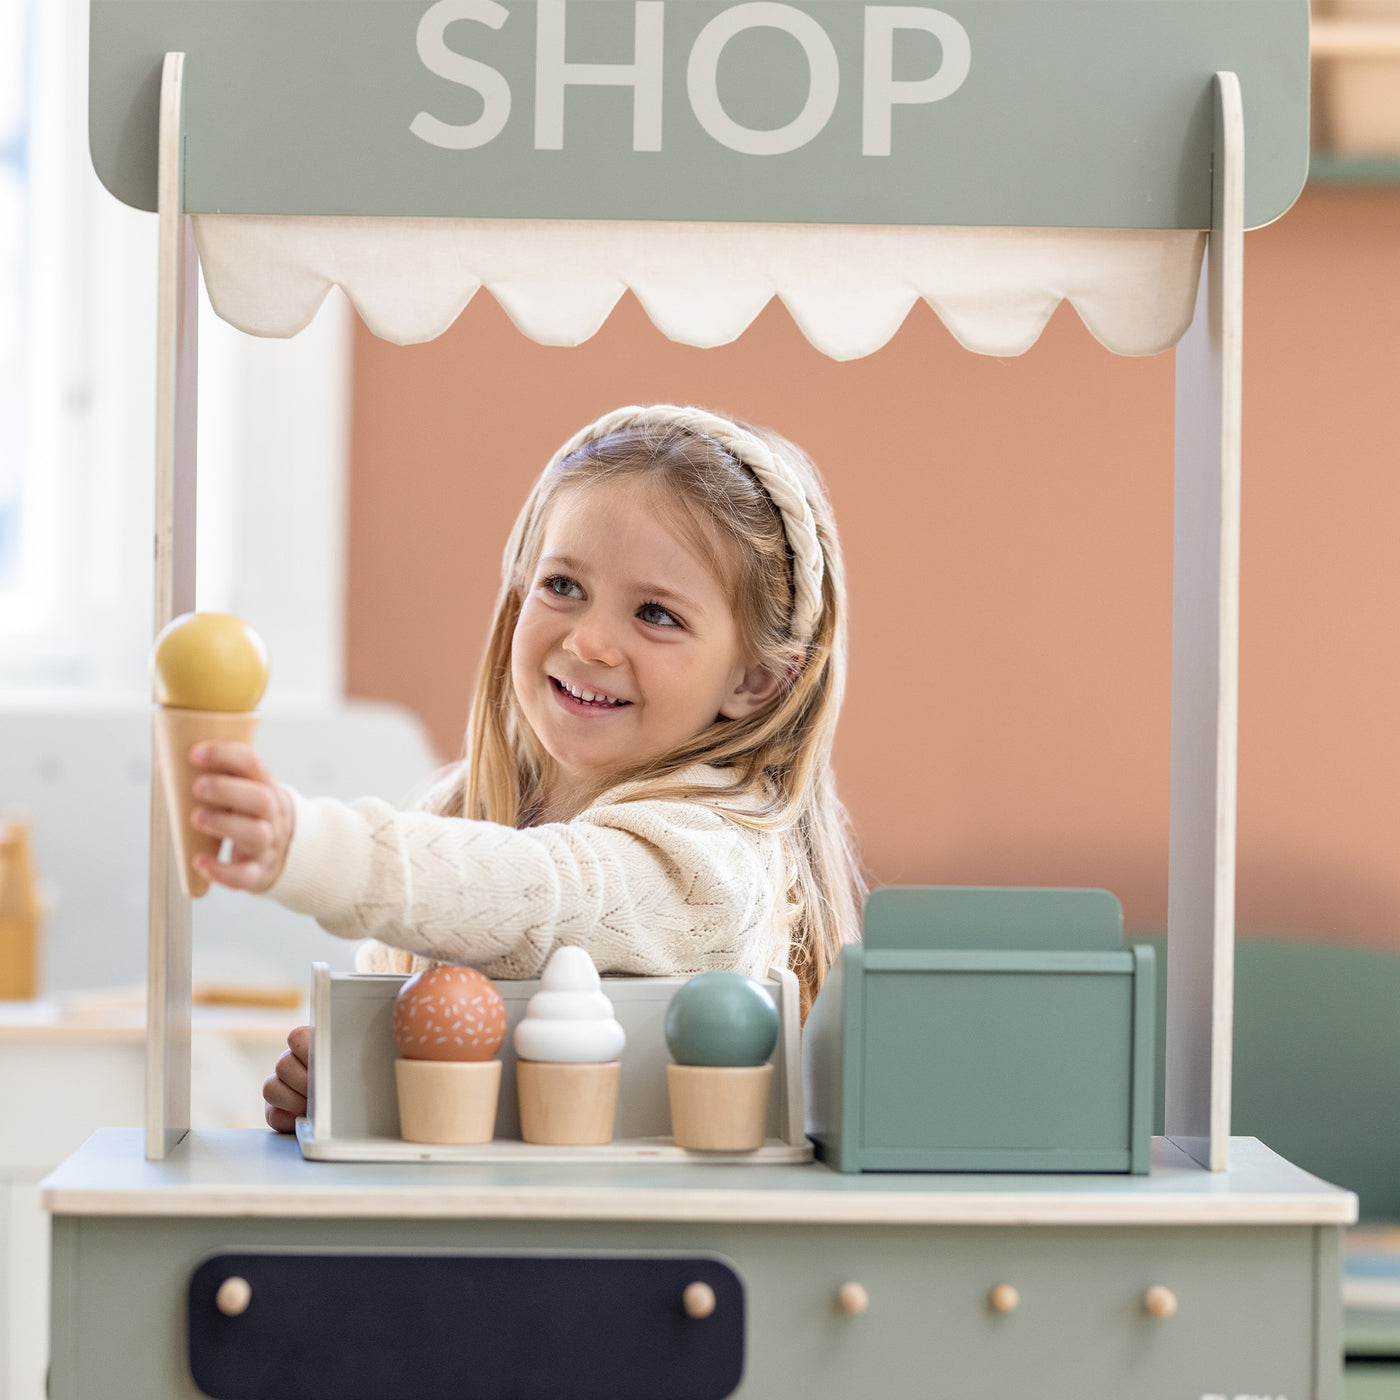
(1205, 670)
(168, 948)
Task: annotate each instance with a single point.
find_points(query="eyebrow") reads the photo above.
(647, 590)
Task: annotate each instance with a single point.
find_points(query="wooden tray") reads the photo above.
(352, 1106)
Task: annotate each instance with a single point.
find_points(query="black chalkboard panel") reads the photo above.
(331, 1326)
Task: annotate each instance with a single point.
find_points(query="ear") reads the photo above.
(757, 687)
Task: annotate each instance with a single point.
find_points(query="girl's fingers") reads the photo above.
(292, 1072)
(255, 815)
(299, 1043)
(246, 795)
(284, 1092)
(279, 1120)
(280, 1095)
(222, 756)
(252, 838)
(250, 875)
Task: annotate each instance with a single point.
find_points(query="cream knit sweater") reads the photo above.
(650, 887)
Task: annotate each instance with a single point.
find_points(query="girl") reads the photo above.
(647, 769)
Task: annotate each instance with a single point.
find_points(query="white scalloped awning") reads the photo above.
(848, 287)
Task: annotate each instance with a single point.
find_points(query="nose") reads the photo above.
(592, 640)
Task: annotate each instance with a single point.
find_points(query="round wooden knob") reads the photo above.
(852, 1299)
(1159, 1301)
(1003, 1298)
(233, 1296)
(698, 1300)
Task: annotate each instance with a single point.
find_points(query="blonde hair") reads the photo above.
(780, 756)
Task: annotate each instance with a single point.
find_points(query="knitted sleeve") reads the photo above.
(650, 887)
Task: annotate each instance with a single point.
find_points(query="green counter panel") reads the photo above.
(1257, 1305)
(1370, 1381)
(985, 1030)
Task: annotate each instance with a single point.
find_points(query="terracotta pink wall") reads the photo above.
(1007, 525)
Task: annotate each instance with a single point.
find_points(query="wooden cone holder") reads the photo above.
(567, 1105)
(448, 1101)
(176, 732)
(719, 1108)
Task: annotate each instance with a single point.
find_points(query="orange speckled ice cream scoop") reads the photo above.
(449, 1013)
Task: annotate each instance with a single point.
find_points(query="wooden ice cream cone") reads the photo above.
(176, 731)
(567, 1104)
(719, 1108)
(447, 1101)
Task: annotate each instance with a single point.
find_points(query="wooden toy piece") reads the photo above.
(449, 1013)
(449, 1023)
(698, 1300)
(233, 1296)
(208, 672)
(721, 1018)
(1004, 1298)
(721, 1028)
(567, 1105)
(353, 1110)
(447, 1101)
(1159, 1302)
(20, 915)
(176, 732)
(852, 1299)
(568, 1043)
(719, 1108)
(209, 661)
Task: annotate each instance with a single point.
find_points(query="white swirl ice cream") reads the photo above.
(569, 1020)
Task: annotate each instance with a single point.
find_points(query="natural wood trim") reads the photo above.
(483, 1202)
(1355, 38)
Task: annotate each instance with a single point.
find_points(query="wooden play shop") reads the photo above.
(913, 1225)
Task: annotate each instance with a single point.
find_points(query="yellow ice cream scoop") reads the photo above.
(209, 661)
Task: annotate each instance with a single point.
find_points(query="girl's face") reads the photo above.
(626, 646)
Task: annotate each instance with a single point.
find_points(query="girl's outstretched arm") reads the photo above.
(652, 887)
(239, 801)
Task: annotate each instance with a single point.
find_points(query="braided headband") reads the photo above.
(774, 475)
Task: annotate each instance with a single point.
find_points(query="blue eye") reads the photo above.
(562, 586)
(657, 615)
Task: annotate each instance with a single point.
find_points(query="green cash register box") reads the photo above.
(976, 1029)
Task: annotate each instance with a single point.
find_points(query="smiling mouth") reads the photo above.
(593, 699)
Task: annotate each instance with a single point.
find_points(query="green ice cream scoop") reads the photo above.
(721, 1019)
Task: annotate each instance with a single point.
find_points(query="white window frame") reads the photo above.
(273, 442)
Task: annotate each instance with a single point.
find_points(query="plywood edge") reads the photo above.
(753, 1206)
(169, 928)
(1205, 671)
(791, 1112)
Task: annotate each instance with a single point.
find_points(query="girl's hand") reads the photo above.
(284, 1091)
(238, 800)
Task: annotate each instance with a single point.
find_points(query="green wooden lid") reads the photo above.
(969, 916)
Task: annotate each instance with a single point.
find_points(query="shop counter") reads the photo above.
(401, 1278)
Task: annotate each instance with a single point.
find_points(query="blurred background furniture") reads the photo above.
(73, 1060)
